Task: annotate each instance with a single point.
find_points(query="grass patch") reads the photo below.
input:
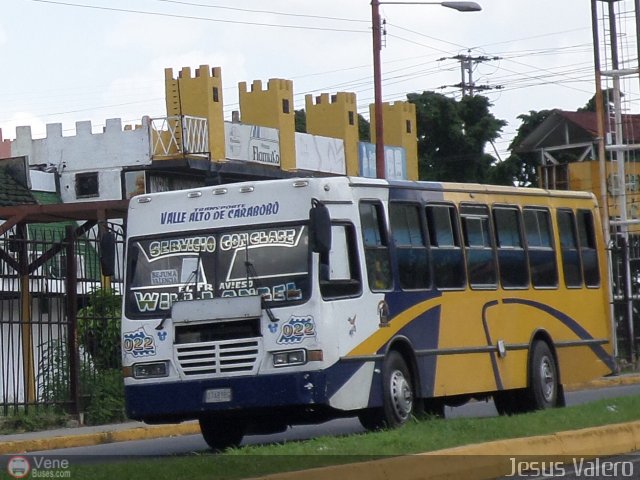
(417, 436)
(33, 421)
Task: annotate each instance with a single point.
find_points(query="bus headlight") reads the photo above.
(290, 357)
(151, 370)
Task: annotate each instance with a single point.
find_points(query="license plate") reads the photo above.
(217, 395)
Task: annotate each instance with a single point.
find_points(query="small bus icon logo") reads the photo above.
(18, 467)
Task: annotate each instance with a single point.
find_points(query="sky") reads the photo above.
(75, 60)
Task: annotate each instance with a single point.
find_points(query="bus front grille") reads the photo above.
(234, 357)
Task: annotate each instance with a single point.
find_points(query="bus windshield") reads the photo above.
(271, 262)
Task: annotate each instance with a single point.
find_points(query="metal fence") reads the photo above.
(625, 264)
(56, 311)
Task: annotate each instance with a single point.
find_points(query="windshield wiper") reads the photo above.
(253, 275)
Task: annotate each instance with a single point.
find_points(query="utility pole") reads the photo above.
(467, 65)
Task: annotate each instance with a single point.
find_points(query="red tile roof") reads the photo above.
(588, 121)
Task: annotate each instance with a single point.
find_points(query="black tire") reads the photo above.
(398, 396)
(543, 390)
(222, 433)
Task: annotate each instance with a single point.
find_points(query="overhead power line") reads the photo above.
(206, 19)
(270, 12)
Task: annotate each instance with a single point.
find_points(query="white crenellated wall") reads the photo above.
(86, 151)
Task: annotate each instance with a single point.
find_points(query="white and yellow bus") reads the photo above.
(254, 306)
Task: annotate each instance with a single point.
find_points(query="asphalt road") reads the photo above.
(190, 444)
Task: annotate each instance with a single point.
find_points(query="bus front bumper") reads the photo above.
(190, 399)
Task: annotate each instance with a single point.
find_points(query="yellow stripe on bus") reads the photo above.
(372, 344)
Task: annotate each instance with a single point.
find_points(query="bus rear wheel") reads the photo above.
(222, 433)
(398, 396)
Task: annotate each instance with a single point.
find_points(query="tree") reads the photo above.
(300, 120)
(607, 102)
(452, 136)
(364, 129)
(521, 168)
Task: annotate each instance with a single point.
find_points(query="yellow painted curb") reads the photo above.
(605, 382)
(98, 438)
(485, 460)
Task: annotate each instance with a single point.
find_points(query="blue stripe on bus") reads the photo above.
(423, 332)
(570, 323)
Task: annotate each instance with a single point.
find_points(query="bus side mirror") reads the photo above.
(108, 253)
(319, 228)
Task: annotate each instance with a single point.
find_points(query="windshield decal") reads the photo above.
(175, 246)
(271, 262)
(164, 277)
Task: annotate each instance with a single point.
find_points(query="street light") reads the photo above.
(377, 74)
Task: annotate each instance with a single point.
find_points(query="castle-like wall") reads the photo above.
(399, 121)
(273, 108)
(5, 147)
(199, 95)
(335, 116)
(85, 151)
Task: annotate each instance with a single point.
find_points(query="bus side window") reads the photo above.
(410, 245)
(478, 242)
(446, 253)
(339, 270)
(512, 259)
(587, 237)
(542, 257)
(376, 246)
(569, 248)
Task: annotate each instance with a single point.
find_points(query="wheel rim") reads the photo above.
(547, 379)
(401, 395)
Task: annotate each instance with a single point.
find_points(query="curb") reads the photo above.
(99, 438)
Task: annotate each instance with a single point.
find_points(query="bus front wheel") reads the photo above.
(398, 396)
(222, 433)
(543, 390)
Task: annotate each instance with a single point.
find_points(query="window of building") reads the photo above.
(285, 106)
(478, 242)
(411, 248)
(376, 246)
(512, 258)
(446, 253)
(542, 257)
(87, 185)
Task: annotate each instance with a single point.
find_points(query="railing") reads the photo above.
(53, 351)
(179, 136)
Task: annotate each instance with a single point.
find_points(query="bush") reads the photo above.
(103, 395)
(99, 328)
